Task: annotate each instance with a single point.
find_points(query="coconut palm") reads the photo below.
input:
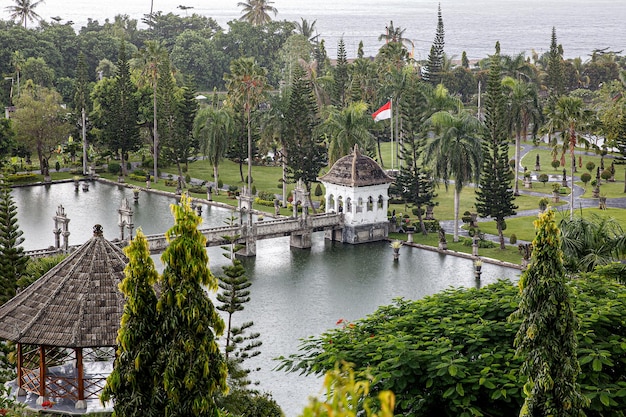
(523, 109)
(455, 152)
(24, 10)
(246, 84)
(306, 29)
(345, 128)
(571, 116)
(214, 128)
(149, 60)
(257, 12)
(395, 34)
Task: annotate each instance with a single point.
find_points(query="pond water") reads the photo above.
(295, 293)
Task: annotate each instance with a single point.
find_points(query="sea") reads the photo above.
(473, 26)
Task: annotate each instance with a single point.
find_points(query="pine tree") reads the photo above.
(464, 60)
(191, 366)
(12, 258)
(119, 116)
(305, 152)
(340, 76)
(547, 334)
(495, 195)
(555, 69)
(132, 383)
(434, 66)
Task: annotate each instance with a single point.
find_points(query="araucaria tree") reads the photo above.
(12, 258)
(555, 69)
(192, 368)
(305, 152)
(434, 66)
(116, 111)
(494, 196)
(546, 338)
(131, 385)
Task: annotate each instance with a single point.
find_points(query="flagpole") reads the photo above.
(391, 123)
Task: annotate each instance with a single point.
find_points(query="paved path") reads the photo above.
(579, 202)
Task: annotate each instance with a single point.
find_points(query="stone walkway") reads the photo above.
(579, 202)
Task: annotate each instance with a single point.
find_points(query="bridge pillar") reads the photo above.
(249, 234)
(301, 240)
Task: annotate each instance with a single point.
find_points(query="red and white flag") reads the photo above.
(383, 113)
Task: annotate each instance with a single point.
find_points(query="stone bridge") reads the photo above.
(299, 229)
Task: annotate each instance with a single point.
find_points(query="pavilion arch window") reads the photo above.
(370, 203)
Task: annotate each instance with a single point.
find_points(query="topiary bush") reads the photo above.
(114, 168)
(555, 164)
(585, 178)
(590, 166)
(513, 239)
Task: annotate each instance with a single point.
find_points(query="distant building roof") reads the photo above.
(356, 170)
(75, 304)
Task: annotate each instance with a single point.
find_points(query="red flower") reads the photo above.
(339, 322)
(47, 404)
(3, 411)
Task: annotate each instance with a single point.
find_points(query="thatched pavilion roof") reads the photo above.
(356, 170)
(75, 304)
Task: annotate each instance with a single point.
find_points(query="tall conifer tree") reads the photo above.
(340, 76)
(494, 194)
(12, 258)
(556, 78)
(547, 334)
(305, 152)
(131, 385)
(434, 65)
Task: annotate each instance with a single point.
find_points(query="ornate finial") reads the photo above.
(97, 230)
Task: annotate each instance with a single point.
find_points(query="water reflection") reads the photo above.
(295, 293)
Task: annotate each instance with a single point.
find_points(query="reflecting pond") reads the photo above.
(295, 293)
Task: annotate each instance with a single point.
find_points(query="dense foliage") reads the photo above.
(452, 354)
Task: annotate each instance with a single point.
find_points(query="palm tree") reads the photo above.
(257, 12)
(214, 128)
(570, 115)
(306, 29)
(149, 60)
(24, 10)
(394, 34)
(523, 108)
(246, 84)
(589, 242)
(455, 152)
(345, 128)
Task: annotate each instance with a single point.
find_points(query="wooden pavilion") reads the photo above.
(65, 325)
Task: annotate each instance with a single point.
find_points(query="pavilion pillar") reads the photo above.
(80, 380)
(42, 375)
(20, 371)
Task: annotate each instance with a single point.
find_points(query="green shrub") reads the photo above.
(590, 166)
(318, 190)
(114, 168)
(555, 164)
(260, 201)
(585, 177)
(148, 163)
(140, 173)
(220, 183)
(606, 174)
(187, 178)
(543, 178)
(513, 239)
(57, 166)
(266, 195)
(253, 189)
(232, 188)
(22, 178)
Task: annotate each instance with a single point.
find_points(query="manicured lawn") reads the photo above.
(510, 254)
(525, 230)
